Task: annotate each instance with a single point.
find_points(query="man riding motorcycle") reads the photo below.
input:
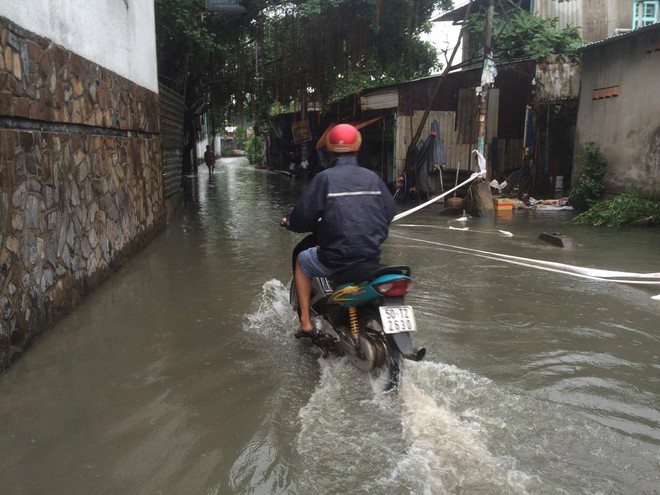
(349, 208)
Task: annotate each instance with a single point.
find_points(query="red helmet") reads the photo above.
(344, 138)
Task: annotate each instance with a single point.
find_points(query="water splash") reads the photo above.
(467, 433)
(448, 449)
(272, 312)
(447, 431)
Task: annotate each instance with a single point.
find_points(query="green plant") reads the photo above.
(254, 150)
(240, 138)
(590, 185)
(625, 209)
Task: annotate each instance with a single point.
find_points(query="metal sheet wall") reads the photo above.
(596, 19)
(172, 111)
(458, 155)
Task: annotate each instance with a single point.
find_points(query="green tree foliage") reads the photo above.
(200, 53)
(352, 44)
(288, 52)
(193, 50)
(518, 34)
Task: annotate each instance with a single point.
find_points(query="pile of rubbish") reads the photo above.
(527, 203)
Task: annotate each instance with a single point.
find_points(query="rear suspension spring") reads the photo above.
(353, 316)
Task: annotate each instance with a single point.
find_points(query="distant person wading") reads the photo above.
(209, 159)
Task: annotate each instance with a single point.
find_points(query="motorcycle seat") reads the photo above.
(367, 272)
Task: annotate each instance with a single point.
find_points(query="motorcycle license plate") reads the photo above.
(397, 319)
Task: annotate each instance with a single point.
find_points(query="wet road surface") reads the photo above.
(180, 374)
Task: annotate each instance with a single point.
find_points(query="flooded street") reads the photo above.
(180, 375)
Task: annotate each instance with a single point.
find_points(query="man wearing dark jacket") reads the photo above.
(350, 210)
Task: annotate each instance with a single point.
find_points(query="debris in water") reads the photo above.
(556, 239)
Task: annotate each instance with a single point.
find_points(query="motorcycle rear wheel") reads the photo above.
(371, 323)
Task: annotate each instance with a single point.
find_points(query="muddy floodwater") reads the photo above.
(180, 375)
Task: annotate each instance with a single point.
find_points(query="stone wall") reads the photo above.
(80, 181)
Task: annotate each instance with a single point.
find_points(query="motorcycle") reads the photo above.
(360, 313)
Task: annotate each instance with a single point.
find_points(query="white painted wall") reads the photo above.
(119, 35)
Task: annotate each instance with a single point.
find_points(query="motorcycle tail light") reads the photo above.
(394, 288)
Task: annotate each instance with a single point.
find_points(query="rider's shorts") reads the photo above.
(310, 264)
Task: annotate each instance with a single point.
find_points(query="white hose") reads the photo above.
(577, 271)
(591, 273)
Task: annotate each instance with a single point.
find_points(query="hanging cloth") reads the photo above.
(438, 157)
(530, 135)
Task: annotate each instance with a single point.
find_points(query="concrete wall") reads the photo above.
(619, 103)
(81, 185)
(116, 34)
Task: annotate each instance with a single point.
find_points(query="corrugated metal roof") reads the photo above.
(618, 37)
(381, 99)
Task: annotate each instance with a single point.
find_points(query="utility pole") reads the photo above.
(481, 198)
(483, 103)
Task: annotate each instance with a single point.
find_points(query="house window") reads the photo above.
(645, 13)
